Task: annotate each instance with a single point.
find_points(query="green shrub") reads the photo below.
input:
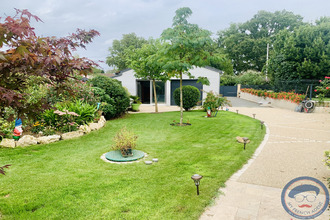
(190, 97)
(48, 131)
(119, 98)
(37, 127)
(214, 101)
(6, 128)
(49, 117)
(86, 112)
(228, 80)
(102, 96)
(323, 90)
(71, 90)
(249, 77)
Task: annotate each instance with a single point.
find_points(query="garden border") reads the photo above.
(28, 140)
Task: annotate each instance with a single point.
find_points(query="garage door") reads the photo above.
(191, 82)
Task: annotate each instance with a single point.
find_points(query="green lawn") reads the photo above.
(68, 180)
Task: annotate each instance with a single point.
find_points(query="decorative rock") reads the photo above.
(85, 129)
(27, 140)
(8, 143)
(148, 162)
(155, 160)
(95, 126)
(72, 134)
(102, 119)
(48, 139)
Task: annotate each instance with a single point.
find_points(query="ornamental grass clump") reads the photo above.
(125, 141)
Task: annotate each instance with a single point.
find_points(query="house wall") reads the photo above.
(214, 78)
(129, 81)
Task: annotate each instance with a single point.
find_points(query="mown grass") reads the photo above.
(68, 180)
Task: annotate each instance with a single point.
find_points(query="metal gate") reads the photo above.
(191, 82)
(228, 91)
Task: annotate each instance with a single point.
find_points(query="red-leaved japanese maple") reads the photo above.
(24, 55)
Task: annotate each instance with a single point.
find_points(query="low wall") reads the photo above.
(278, 103)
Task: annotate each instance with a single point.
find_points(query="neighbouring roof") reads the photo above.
(120, 73)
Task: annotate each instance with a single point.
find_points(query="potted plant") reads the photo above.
(136, 103)
(125, 141)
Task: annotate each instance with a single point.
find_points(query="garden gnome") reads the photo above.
(208, 112)
(18, 129)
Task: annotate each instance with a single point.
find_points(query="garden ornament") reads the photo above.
(208, 112)
(18, 129)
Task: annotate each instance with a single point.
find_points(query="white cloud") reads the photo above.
(147, 18)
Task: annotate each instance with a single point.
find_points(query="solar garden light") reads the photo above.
(246, 140)
(197, 178)
(237, 111)
(254, 115)
(262, 124)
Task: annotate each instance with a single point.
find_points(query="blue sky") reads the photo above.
(147, 18)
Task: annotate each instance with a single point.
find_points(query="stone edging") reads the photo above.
(28, 140)
(256, 153)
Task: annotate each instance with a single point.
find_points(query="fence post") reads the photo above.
(238, 90)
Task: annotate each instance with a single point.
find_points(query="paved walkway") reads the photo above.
(294, 146)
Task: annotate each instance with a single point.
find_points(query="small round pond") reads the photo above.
(117, 157)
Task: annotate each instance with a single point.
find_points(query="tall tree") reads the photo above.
(147, 64)
(27, 55)
(188, 46)
(118, 52)
(302, 54)
(246, 43)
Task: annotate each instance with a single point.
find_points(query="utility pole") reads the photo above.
(267, 61)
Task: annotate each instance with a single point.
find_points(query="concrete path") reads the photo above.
(294, 146)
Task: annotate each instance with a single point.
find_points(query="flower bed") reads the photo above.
(27, 140)
(288, 96)
(286, 100)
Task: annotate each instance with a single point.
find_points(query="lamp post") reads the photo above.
(246, 140)
(197, 178)
(262, 124)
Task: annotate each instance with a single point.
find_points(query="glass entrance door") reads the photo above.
(160, 92)
(143, 91)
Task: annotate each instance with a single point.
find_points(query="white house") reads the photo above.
(164, 90)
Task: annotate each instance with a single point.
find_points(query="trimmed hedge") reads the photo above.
(116, 99)
(190, 96)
